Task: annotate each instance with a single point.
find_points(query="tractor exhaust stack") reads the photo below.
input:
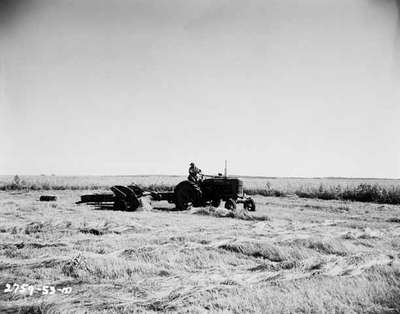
(226, 169)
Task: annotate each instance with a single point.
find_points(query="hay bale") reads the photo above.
(93, 231)
(48, 198)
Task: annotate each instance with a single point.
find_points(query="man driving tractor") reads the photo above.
(194, 173)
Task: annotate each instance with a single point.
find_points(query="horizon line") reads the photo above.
(184, 175)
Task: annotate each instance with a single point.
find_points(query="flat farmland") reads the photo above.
(293, 255)
(289, 185)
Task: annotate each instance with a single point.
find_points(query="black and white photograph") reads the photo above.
(200, 156)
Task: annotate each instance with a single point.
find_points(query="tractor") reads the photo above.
(210, 191)
(207, 190)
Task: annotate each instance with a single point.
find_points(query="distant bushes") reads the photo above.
(17, 184)
(159, 187)
(47, 187)
(56, 187)
(264, 192)
(373, 193)
(267, 191)
(38, 183)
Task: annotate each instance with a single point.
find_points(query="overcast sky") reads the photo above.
(277, 87)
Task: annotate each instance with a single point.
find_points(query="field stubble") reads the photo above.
(293, 256)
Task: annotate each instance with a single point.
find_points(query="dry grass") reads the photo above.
(291, 256)
(59, 183)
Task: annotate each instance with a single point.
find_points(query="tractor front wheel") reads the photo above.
(230, 204)
(250, 205)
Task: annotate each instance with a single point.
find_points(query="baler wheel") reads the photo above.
(127, 195)
(120, 205)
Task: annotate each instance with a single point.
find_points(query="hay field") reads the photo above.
(293, 256)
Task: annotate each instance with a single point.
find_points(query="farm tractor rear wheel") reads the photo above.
(187, 193)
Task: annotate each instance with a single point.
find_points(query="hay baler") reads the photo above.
(124, 198)
(210, 191)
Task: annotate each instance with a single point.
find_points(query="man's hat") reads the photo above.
(192, 163)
